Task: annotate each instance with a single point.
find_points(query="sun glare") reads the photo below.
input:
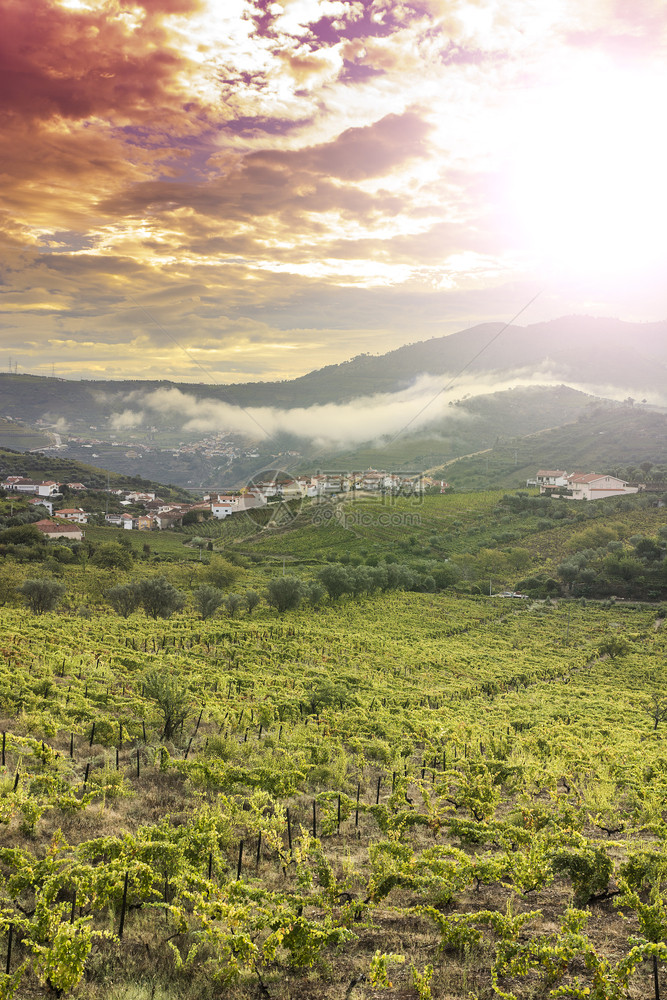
(587, 188)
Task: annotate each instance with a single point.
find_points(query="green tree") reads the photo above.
(171, 697)
(315, 593)
(159, 598)
(233, 602)
(207, 600)
(252, 599)
(22, 534)
(568, 572)
(124, 598)
(285, 593)
(42, 594)
(222, 573)
(360, 580)
(336, 580)
(112, 555)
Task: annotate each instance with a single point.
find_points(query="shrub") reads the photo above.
(112, 555)
(589, 868)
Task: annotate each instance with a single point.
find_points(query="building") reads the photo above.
(60, 530)
(75, 514)
(594, 486)
(19, 484)
(42, 502)
(549, 480)
(120, 520)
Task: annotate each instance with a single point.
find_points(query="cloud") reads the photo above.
(317, 176)
(76, 63)
(424, 404)
(365, 419)
(126, 420)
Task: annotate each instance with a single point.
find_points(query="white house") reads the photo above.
(42, 502)
(594, 486)
(223, 506)
(75, 514)
(120, 520)
(549, 480)
(19, 484)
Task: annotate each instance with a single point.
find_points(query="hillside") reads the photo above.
(389, 792)
(37, 465)
(608, 358)
(603, 438)
(476, 423)
(575, 350)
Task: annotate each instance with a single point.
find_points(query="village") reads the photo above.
(150, 512)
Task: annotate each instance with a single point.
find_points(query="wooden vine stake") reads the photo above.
(122, 908)
(10, 935)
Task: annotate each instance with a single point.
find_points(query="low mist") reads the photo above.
(368, 419)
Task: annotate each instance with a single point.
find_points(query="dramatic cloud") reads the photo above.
(244, 189)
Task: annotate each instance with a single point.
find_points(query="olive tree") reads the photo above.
(171, 697)
(42, 594)
(207, 600)
(285, 593)
(159, 598)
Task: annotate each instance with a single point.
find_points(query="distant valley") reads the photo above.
(592, 388)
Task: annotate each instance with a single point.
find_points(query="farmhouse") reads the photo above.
(42, 502)
(55, 529)
(120, 520)
(550, 479)
(593, 486)
(19, 484)
(75, 514)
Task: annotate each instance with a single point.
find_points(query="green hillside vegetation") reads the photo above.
(574, 348)
(604, 438)
(318, 760)
(38, 465)
(469, 424)
(17, 436)
(429, 794)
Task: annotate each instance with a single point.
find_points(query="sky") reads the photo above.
(241, 190)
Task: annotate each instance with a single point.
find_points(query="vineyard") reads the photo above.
(409, 795)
